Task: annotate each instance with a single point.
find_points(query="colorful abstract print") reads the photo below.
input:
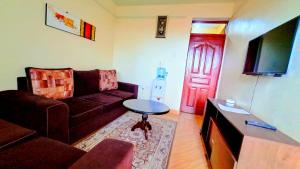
(62, 20)
(87, 30)
(108, 80)
(67, 21)
(55, 84)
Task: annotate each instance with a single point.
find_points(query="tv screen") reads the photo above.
(270, 53)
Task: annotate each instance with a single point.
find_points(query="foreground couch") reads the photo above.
(68, 119)
(21, 148)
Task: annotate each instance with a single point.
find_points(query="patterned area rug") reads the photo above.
(148, 154)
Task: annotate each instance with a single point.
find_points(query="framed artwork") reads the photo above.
(161, 26)
(87, 30)
(62, 20)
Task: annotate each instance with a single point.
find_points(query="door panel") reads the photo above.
(220, 157)
(192, 96)
(198, 80)
(202, 71)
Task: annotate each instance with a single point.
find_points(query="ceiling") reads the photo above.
(156, 2)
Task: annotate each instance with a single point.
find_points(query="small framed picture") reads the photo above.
(161, 26)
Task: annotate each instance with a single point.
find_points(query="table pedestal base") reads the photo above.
(144, 125)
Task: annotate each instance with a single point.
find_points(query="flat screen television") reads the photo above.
(269, 54)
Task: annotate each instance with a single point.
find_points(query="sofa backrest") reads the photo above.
(23, 84)
(85, 82)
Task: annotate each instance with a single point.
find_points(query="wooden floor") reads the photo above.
(187, 151)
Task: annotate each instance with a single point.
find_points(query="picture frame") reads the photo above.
(161, 26)
(62, 20)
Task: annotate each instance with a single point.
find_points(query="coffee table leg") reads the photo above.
(144, 117)
(144, 125)
(148, 125)
(137, 125)
(146, 135)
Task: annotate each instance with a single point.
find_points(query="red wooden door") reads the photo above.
(202, 71)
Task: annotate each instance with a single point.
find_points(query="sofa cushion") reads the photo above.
(108, 80)
(109, 102)
(41, 153)
(82, 110)
(51, 83)
(108, 154)
(86, 82)
(119, 93)
(11, 134)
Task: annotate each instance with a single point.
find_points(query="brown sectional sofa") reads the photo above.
(66, 120)
(21, 148)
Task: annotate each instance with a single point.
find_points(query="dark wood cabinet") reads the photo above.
(220, 157)
(231, 144)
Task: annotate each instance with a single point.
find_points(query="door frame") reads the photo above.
(195, 35)
(199, 21)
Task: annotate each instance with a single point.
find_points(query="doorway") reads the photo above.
(203, 64)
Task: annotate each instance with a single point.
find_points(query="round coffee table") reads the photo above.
(145, 107)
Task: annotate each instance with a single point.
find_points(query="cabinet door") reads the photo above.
(220, 157)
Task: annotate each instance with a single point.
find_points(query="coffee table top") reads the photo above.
(146, 106)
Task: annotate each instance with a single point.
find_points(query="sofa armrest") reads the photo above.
(109, 154)
(11, 134)
(48, 117)
(129, 87)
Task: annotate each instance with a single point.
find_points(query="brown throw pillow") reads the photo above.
(108, 80)
(51, 83)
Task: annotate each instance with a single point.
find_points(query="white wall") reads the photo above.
(26, 41)
(275, 100)
(137, 53)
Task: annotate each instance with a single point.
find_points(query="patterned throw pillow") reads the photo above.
(108, 80)
(51, 83)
